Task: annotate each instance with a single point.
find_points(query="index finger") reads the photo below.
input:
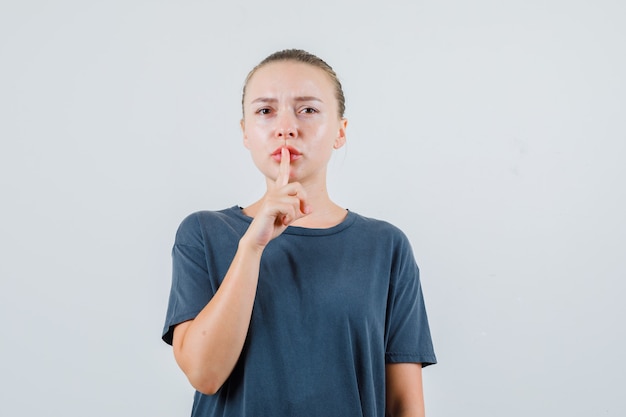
(283, 169)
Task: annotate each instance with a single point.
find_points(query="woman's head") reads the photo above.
(293, 100)
(298, 55)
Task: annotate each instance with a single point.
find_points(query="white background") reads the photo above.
(492, 132)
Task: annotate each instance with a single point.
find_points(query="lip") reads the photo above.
(293, 153)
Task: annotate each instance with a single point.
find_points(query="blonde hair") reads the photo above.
(298, 55)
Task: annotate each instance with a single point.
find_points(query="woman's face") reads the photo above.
(292, 104)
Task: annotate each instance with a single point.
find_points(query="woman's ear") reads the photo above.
(341, 136)
(242, 123)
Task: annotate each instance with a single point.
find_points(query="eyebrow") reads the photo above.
(273, 100)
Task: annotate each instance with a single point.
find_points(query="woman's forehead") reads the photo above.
(289, 76)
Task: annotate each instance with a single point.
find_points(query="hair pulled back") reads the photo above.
(298, 55)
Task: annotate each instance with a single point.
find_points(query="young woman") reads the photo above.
(295, 306)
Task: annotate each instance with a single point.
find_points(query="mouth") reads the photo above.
(294, 154)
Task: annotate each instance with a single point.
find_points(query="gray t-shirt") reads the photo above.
(333, 306)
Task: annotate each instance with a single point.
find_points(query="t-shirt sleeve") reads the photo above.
(408, 336)
(191, 288)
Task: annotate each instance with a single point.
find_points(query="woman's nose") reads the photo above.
(286, 126)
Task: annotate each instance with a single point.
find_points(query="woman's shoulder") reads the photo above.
(376, 224)
(196, 225)
(204, 216)
(378, 227)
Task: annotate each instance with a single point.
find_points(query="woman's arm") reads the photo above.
(405, 397)
(208, 347)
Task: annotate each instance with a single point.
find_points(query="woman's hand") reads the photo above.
(283, 204)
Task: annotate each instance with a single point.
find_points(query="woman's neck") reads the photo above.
(324, 212)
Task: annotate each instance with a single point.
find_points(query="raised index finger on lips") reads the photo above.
(283, 169)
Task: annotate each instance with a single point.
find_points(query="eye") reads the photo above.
(308, 110)
(264, 111)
